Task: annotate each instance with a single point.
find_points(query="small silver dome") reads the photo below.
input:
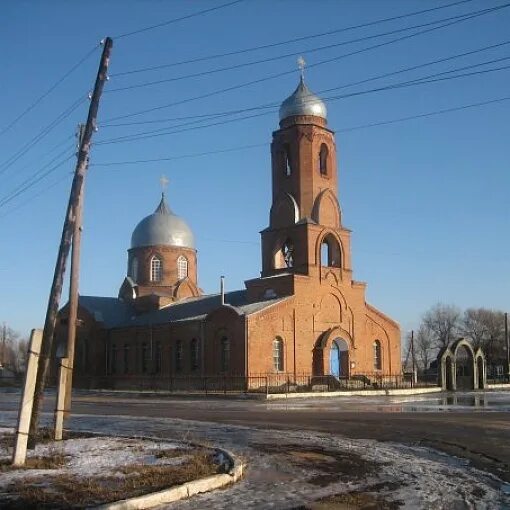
(302, 102)
(162, 228)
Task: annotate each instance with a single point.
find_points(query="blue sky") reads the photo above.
(427, 199)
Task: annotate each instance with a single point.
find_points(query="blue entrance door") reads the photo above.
(334, 360)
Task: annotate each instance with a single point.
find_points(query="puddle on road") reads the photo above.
(440, 402)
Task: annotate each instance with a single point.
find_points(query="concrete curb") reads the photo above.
(498, 386)
(183, 491)
(354, 393)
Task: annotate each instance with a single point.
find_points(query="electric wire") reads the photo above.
(49, 91)
(34, 177)
(176, 20)
(289, 41)
(278, 75)
(42, 134)
(341, 130)
(275, 103)
(277, 57)
(432, 78)
(36, 195)
(36, 181)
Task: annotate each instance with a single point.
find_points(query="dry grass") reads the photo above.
(54, 459)
(69, 491)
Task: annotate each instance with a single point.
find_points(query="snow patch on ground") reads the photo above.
(92, 457)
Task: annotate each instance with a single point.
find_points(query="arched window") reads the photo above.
(182, 267)
(133, 270)
(178, 356)
(278, 354)
(156, 269)
(323, 159)
(194, 354)
(377, 355)
(287, 164)
(225, 354)
(330, 254)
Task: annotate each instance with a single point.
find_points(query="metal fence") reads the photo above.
(258, 383)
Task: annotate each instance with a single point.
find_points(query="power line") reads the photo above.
(182, 156)
(423, 115)
(12, 194)
(49, 91)
(175, 20)
(276, 103)
(24, 189)
(289, 41)
(277, 57)
(38, 194)
(342, 130)
(464, 17)
(36, 139)
(419, 81)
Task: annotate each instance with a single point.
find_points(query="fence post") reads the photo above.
(267, 386)
(205, 385)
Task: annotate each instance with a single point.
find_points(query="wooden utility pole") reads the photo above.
(65, 372)
(74, 286)
(65, 242)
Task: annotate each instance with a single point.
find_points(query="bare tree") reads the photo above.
(443, 323)
(13, 350)
(486, 329)
(424, 347)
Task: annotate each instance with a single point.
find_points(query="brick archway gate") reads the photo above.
(461, 367)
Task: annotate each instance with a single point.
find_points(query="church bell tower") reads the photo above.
(305, 234)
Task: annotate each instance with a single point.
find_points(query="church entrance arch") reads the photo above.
(339, 358)
(464, 364)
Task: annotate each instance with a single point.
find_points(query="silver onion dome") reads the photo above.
(162, 227)
(303, 102)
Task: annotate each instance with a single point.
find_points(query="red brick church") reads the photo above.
(305, 314)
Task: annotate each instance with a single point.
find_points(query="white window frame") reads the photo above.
(156, 269)
(278, 356)
(182, 267)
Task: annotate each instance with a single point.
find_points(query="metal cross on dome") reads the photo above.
(301, 64)
(163, 180)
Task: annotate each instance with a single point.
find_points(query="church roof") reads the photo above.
(302, 102)
(162, 227)
(115, 313)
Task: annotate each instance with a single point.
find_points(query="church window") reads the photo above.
(225, 354)
(126, 358)
(377, 355)
(323, 159)
(178, 356)
(182, 267)
(288, 253)
(286, 160)
(194, 354)
(278, 354)
(157, 358)
(156, 269)
(330, 254)
(133, 273)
